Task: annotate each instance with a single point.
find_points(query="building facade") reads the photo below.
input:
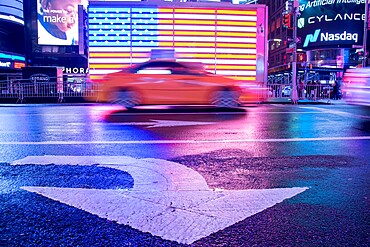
(12, 55)
(56, 35)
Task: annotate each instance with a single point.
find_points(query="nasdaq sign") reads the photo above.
(339, 36)
(331, 23)
(330, 37)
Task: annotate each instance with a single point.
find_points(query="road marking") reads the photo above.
(339, 138)
(336, 112)
(168, 199)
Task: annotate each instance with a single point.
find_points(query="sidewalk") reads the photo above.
(304, 101)
(76, 100)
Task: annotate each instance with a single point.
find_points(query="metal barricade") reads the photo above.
(10, 90)
(311, 91)
(20, 90)
(318, 92)
(279, 91)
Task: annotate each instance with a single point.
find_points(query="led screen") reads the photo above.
(57, 21)
(224, 40)
(11, 10)
(331, 23)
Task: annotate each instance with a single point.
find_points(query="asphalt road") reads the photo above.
(262, 175)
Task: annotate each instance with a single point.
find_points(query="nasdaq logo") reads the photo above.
(330, 37)
(312, 38)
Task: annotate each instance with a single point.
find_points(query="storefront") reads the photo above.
(10, 66)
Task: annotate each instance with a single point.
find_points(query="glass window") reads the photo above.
(324, 57)
(157, 67)
(278, 24)
(273, 25)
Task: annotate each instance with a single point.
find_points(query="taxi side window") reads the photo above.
(160, 67)
(166, 68)
(154, 68)
(180, 71)
(185, 71)
(154, 71)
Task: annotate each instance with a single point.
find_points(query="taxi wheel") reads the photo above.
(126, 98)
(225, 98)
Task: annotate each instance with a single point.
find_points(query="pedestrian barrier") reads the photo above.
(20, 89)
(311, 91)
(80, 87)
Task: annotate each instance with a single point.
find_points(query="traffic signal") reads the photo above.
(301, 57)
(287, 20)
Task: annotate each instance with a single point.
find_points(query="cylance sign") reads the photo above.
(331, 23)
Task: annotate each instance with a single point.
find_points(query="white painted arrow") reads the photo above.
(164, 123)
(168, 199)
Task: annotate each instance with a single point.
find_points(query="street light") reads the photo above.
(294, 62)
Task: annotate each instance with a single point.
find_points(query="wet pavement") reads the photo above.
(92, 176)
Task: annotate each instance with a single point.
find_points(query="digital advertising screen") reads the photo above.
(224, 40)
(331, 23)
(11, 10)
(57, 21)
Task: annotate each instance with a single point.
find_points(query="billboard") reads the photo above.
(228, 40)
(57, 21)
(331, 23)
(11, 61)
(11, 10)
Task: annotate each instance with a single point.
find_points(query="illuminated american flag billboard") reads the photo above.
(225, 40)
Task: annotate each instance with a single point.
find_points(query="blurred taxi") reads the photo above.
(167, 82)
(357, 86)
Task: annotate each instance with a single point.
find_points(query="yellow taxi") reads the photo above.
(167, 82)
